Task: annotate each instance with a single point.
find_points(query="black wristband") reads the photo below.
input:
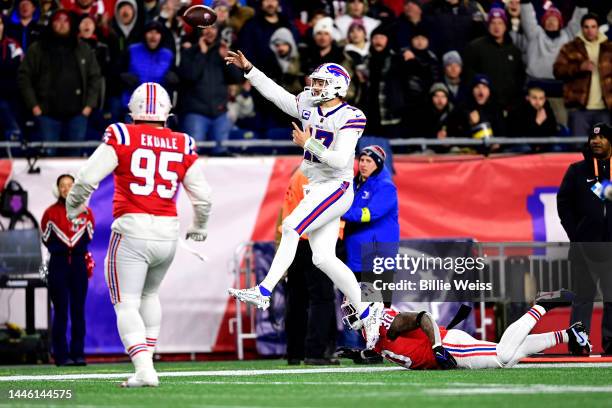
(419, 317)
(246, 71)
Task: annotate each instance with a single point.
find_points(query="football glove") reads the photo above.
(359, 356)
(197, 235)
(444, 359)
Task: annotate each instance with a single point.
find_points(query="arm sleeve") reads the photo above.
(275, 93)
(199, 194)
(44, 224)
(25, 73)
(529, 23)
(565, 204)
(573, 26)
(99, 165)
(383, 201)
(344, 150)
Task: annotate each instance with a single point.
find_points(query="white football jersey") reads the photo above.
(338, 128)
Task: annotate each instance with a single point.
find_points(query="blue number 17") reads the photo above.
(325, 137)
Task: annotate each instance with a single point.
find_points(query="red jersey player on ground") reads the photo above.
(414, 340)
(148, 162)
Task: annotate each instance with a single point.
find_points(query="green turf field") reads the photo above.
(246, 384)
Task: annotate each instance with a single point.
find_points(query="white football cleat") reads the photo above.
(251, 296)
(146, 378)
(371, 324)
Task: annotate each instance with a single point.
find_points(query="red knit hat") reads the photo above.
(552, 12)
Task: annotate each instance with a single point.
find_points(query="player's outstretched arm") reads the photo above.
(199, 193)
(99, 165)
(275, 93)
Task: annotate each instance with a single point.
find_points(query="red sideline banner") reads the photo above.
(489, 199)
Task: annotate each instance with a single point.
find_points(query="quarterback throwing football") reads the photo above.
(148, 162)
(331, 130)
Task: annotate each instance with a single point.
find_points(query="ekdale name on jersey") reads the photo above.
(157, 141)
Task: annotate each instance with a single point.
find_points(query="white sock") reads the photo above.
(282, 259)
(517, 332)
(150, 311)
(535, 343)
(132, 332)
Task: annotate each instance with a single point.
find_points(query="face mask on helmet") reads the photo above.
(150, 103)
(329, 81)
(349, 314)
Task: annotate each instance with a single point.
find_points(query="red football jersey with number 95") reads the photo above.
(152, 163)
(410, 350)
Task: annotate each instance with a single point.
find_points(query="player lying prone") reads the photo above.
(414, 340)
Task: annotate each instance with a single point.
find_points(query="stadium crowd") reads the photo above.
(420, 68)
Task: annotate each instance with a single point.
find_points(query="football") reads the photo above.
(200, 16)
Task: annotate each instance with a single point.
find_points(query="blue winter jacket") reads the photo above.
(147, 65)
(372, 220)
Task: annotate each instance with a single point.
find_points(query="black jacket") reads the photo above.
(522, 122)
(584, 216)
(37, 82)
(204, 81)
(502, 63)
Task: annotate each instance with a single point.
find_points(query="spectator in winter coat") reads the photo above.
(289, 72)
(356, 12)
(148, 61)
(204, 89)
(454, 23)
(585, 66)
(495, 56)
(387, 84)
(481, 116)
(60, 67)
(410, 19)
(543, 43)
(452, 78)
(533, 118)
(23, 25)
(11, 55)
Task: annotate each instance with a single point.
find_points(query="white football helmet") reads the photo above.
(150, 102)
(337, 81)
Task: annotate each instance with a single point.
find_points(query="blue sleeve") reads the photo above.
(353, 214)
(383, 201)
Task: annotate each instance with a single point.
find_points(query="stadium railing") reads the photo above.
(422, 143)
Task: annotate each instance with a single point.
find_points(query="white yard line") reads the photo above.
(219, 373)
(245, 373)
(521, 389)
(562, 365)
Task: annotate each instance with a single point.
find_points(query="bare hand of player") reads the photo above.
(300, 137)
(239, 60)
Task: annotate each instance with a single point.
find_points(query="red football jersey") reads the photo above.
(410, 350)
(152, 163)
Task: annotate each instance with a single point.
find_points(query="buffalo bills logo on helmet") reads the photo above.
(337, 70)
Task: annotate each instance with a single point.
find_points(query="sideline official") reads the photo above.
(587, 219)
(372, 221)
